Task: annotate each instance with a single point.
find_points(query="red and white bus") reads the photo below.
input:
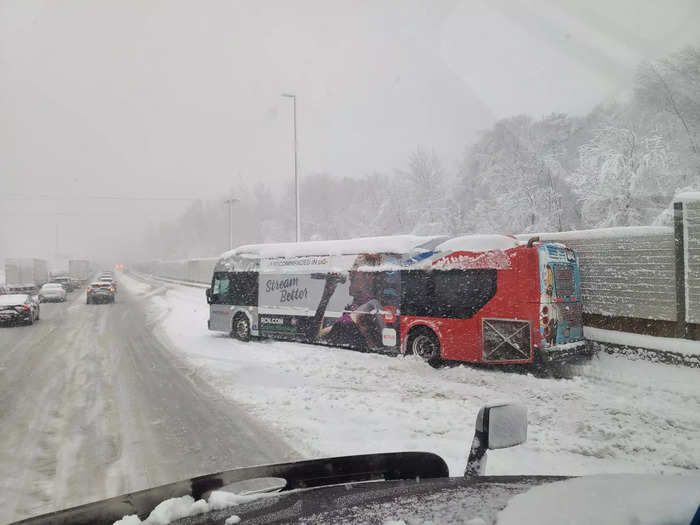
(479, 299)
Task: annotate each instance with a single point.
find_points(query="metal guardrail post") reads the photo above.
(679, 255)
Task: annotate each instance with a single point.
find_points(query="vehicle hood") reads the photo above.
(400, 488)
(502, 500)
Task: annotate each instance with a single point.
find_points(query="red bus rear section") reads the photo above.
(513, 326)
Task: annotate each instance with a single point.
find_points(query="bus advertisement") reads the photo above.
(479, 299)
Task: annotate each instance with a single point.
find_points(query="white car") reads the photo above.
(52, 292)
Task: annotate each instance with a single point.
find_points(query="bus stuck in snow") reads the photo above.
(478, 299)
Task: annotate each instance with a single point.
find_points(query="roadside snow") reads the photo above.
(607, 499)
(666, 344)
(615, 415)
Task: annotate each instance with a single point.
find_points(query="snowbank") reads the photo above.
(615, 415)
(664, 344)
(611, 499)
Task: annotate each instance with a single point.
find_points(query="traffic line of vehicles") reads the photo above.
(481, 299)
(20, 303)
(103, 290)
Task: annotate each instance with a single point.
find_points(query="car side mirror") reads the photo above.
(208, 294)
(497, 426)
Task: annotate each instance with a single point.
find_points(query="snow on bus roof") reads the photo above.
(387, 244)
(477, 243)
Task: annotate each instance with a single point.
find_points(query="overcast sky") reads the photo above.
(182, 98)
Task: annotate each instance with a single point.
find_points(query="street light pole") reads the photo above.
(296, 166)
(230, 221)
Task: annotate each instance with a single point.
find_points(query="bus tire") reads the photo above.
(423, 343)
(240, 327)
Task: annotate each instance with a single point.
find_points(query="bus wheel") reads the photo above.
(241, 327)
(425, 344)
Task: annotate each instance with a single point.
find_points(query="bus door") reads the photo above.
(220, 307)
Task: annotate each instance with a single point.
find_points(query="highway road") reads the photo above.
(93, 405)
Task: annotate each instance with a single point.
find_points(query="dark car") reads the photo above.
(108, 279)
(100, 292)
(18, 308)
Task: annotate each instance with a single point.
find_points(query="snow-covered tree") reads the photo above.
(622, 177)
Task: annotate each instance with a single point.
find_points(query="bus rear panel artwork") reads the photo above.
(480, 299)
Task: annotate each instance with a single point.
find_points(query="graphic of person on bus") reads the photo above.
(551, 333)
(361, 324)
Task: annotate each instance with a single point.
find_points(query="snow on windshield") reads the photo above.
(176, 508)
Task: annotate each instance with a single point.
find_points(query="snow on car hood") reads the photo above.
(607, 499)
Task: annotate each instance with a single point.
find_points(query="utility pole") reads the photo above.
(230, 221)
(296, 165)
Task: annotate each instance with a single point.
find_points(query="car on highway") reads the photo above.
(401, 487)
(18, 308)
(100, 292)
(66, 282)
(52, 292)
(108, 279)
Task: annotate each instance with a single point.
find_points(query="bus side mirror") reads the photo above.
(497, 426)
(208, 294)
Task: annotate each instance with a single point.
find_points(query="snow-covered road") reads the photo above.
(92, 406)
(615, 415)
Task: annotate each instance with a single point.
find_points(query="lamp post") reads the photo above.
(296, 165)
(230, 219)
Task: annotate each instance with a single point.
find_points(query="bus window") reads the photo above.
(244, 288)
(564, 280)
(457, 294)
(220, 288)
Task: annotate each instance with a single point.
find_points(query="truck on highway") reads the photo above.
(26, 271)
(79, 269)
